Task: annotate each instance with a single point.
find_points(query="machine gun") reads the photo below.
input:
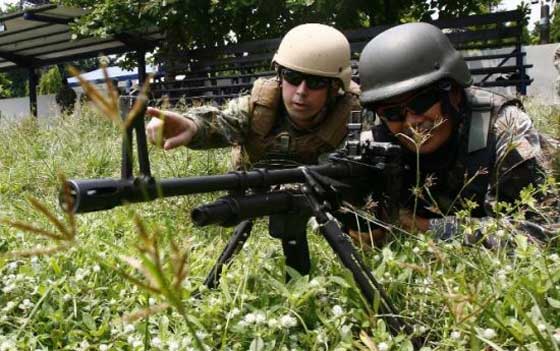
(369, 168)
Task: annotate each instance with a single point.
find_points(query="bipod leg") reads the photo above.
(341, 245)
(366, 282)
(240, 235)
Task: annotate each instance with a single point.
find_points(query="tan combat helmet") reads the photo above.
(316, 49)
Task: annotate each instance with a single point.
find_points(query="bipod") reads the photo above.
(344, 249)
(295, 247)
(240, 235)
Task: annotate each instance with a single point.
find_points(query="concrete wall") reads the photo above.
(543, 72)
(18, 108)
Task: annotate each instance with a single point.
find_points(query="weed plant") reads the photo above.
(82, 298)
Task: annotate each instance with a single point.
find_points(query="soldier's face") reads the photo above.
(423, 129)
(302, 101)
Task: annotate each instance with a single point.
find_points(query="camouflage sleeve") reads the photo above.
(220, 127)
(519, 158)
(492, 232)
(520, 162)
(556, 58)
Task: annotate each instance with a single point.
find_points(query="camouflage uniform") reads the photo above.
(243, 124)
(513, 155)
(556, 62)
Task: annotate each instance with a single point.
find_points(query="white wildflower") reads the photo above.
(84, 345)
(173, 345)
(383, 346)
(260, 318)
(541, 327)
(556, 336)
(8, 288)
(156, 342)
(7, 345)
(456, 335)
(273, 323)
(96, 268)
(12, 266)
(152, 301)
(137, 343)
(345, 330)
(250, 318)
(489, 333)
(234, 312)
(9, 306)
(287, 321)
(25, 305)
(103, 347)
(81, 274)
(314, 283)
(128, 328)
(337, 311)
(416, 249)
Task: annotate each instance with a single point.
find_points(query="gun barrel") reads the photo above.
(229, 211)
(103, 194)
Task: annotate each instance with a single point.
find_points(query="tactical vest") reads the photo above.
(475, 151)
(262, 142)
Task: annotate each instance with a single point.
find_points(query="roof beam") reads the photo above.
(136, 42)
(19, 59)
(39, 17)
(38, 36)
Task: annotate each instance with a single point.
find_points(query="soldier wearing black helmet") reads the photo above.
(463, 142)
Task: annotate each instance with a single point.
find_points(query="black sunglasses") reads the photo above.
(312, 82)
(417, 103)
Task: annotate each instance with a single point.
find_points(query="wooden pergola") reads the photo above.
(41, 36)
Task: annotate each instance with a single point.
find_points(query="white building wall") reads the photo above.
(18, 108)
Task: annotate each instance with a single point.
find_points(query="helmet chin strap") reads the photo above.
(445, 88)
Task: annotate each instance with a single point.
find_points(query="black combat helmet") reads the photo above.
(407, 57)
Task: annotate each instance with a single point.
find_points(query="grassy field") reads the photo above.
(67, 289)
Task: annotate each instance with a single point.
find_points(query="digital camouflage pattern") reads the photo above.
(522, 157)
(556, 62)
(221, 127)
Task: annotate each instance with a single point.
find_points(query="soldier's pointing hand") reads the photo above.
(169, 129)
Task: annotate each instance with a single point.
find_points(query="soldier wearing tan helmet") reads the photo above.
(296, 116)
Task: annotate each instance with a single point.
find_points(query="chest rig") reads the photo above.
(267, 141)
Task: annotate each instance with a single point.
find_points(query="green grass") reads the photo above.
(461, 297)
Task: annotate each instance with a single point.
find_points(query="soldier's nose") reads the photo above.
(412, 118)
(302, 88)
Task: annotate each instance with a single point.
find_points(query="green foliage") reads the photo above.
(5, 86)
(462, 297)
(208, 23)
(555, 25)
(50, 81)
(15, 83)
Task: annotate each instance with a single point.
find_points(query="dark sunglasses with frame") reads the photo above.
(418, 103)
(312, 82)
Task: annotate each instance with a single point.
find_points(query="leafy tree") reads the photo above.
(50, 81)
(555, 25)
(193, 24)
(5, 86)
